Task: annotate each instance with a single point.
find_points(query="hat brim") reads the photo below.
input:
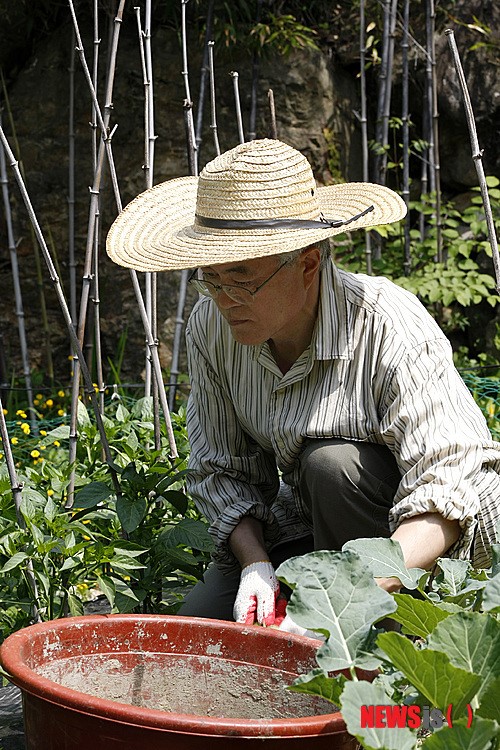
(156, 231)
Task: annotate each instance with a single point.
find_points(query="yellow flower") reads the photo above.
(35, 454)
(39, 396)
(1, 455)
(61, 394)
(43, 447)
(43, 432)
(5, 411)
(61, 412)
(50, 493)
(49, 402)
(57, 443)
(25, 428)
(14, 440)
(36, 401)
(21, 413)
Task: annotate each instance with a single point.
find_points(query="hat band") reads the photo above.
(205, 221)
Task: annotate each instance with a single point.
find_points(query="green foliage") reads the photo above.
(447, 288)
(448, 652)
(139, 545)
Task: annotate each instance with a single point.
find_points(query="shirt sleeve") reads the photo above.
(230, 475)
(437, 434)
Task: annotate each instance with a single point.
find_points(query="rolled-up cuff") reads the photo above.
(450, 505)
(223, 527)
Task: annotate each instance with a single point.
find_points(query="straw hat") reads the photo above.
(257, 199)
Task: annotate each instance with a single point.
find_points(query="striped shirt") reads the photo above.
(378, 369)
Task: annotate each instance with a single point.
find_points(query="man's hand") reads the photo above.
(257, 594)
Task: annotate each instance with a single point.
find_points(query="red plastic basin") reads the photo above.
(202, 673)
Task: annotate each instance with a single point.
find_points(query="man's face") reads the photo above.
(273, 310)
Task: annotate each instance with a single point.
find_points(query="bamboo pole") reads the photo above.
(62, 302)
(213, 120)
(477, 155)
(435, 136)
(272, 113)
(17, 292)
(192, 154)
(203, 81)
(45, 326)
(364, 122)
(89, 269)
(237, 103)
(152, 344)
(406, 138)
(71, 183)
(17, 488)
(252, 128)
(185, 70)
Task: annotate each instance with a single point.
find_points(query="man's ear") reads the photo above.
(311, 261)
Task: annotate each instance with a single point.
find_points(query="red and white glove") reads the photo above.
(288, 625)
(257, 595)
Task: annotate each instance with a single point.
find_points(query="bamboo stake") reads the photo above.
(203, 80)
(185, 71)
(213, 122)
(435, 136)
(477, 155)
(49, 365)
(71, 184)
(192, 154)
(17, 291)
(92, 231)
(17, 488)
(272, 111)
(252, 129)
(149, 182)
(62, 302)
(364, 122)
(390, 12)
(406, 138)
(153, 345)
(239, 119)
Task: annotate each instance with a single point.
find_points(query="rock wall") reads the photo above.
(316, 96)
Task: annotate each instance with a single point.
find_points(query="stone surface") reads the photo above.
(317, 105)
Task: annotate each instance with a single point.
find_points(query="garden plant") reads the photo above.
(445, 661)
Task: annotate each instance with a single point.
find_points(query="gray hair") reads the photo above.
(324, 248)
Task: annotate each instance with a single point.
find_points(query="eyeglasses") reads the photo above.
(239, 294)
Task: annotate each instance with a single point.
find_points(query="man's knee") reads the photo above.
(332, 461)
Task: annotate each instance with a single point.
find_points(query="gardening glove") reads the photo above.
(257, 595)
(288, 625)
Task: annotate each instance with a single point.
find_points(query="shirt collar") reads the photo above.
(331, 336)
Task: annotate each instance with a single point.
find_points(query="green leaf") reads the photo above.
(107, 587)
(318, 682)
(75, 605)
(417, 616)
(359, 694)
(125, 562)
(131, 511)
(178, 499)
(491, 594)
(471, 641)
(187, 532)
(125, 599)
(336, 594)
(461, 737)
(431, 672)
(51, 510)
(453, 574)
(143, 408)
(14, 561)
(92, 494)
(83, 418)
(385, 559)
(490, 701)
(122, 414)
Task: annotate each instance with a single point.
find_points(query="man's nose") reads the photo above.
(224, 301)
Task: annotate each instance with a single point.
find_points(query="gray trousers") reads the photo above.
(347, 488)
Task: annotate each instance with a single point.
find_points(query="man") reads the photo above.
(325, 405)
